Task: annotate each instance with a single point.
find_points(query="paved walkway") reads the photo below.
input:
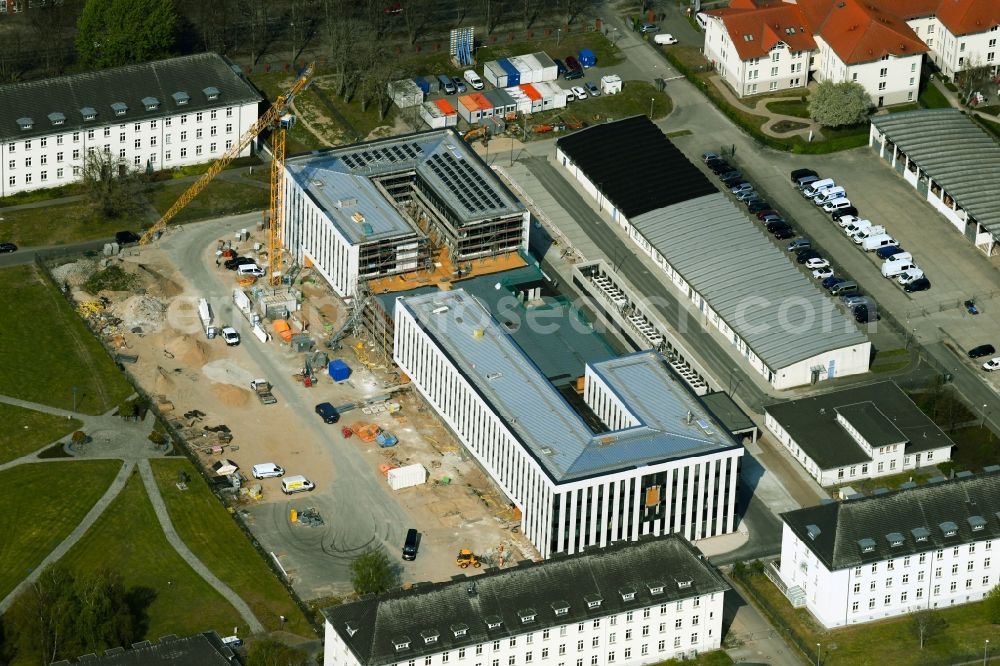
(760, 109)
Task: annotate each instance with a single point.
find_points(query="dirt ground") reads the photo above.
(458, 507)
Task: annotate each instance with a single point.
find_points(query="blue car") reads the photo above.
(888, 251)
(832, 281)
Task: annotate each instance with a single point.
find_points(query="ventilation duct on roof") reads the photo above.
(351, 628)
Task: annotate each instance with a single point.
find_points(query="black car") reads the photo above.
(327, 412)
(802, 173)
(783, 233)
(920, 284)
(8, 247)
(757, 206)
(236, 262)
(730, 176)
(981, 350)
(805, 255)
(850, 210)
(719, 166)
(775, 224)
(865, 315)
(126, 238)
(772, 217)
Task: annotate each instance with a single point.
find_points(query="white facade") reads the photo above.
(698, 492)
(952, 53)
(889, 80)
(936, 578)
(780, 69)
(645, 635)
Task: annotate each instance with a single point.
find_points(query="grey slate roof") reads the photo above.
(445, 164)
(507, 595)
(747, 280)
(545, 424)
(912, 513)
(204, 649)
(954, 152)
(812, 423)
(72, 95)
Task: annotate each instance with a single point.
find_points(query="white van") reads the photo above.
(296, 484)
(906, 277)
(893, 268)
(876, 241)
(267, 470)
(828, 194)
(473, 79)
(899, 256)
(874, 230)
(836, 204)
(702, 20)
(812, 190)
(250, 269)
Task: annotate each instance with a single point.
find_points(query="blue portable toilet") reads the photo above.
(587, 58)
(339, 371)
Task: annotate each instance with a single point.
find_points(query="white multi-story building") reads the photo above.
(890, 554)
(861, 432)
(156, 115)
(959, 33)
(365, 211)
(625, 605)
(661, 464)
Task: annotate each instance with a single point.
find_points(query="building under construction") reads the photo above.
(418, 208)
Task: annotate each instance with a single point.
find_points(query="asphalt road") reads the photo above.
(26, 255)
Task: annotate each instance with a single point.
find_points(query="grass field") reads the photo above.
(128, 539)
(557, 46)
(633, 100)
(298, 139)
(932, 98)
(204, 524)
(25, 430)
(49, 349)
(220, 198)
(964, 635)
(42, 503)
(60, 224)
(789, 107)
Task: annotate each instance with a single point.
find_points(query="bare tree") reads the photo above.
(344, 39)
(530, 12)
(573, 8)
(973, 78)
(301, 25)
(112, 187)
(415, 14)
(255, 14)
(925, 624)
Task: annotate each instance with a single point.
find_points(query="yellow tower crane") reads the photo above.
(271, 119)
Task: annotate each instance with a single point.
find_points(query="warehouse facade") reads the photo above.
(891, 554)
(155, 115)
(660, 463)
(386, 207)
(782, 326)
(625, 605)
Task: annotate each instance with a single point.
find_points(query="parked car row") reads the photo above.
(745, 192)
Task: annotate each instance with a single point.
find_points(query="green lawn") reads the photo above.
(203, 522)
(298, 139)
(932, 98)
(49, 350)
(42, 503)
(634, 99)
(557, 46)
(866, 486)
(990, 126)
(128, 539)
(790, 107)
(60, 224)
(714, 658)
(219, 199)
(895, 644)
(25, 431)
(900, 108)
(975, 448)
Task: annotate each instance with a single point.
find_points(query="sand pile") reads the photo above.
(231, 395)
(187, 350)
(164, 384)
(142, 311)
(76, 272)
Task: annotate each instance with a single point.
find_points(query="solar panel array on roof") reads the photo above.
(465, 183)
(393, 153)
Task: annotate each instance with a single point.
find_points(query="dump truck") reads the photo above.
(466, 559)
(262, 388)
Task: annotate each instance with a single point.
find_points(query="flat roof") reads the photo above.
(734, 419)
(60, 104)
(554, 434)
(954, 152)
(783, 316)
(440, 158)
(812, 423)
(635, 165)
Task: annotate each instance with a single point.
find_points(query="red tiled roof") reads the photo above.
(754, 32)
(964, 17)
(858, 31)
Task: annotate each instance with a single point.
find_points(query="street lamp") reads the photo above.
(986, 651)
(819, 648)
(651, 100)
(558, 35)
(982, 413)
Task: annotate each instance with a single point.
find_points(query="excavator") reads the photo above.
(271, 119)
(467, 559)
(476, 133)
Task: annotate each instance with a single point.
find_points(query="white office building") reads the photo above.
(156, 115)
(625, 605)
(862, 432)
(661, 463)
(890, 554)
(366, 211)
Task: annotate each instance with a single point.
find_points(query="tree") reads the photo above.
(991, 605)
(112, 188)
(65, 614)
(371, 572)
(110, 33)
(925, 624)
(974, 78)
(269, 652)
(839, 104)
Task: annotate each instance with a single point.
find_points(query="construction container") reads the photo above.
(468, 109)
(611, 84)
(536, 97)
(495, 74)
(547, 70)
(439, 114)
(525, 72)
(501, 103)
(405, 477)
(521, 99)
(422, 84)
(405, 93)
(513, 73)
(587, 58)
(339, 371)
(432, 83)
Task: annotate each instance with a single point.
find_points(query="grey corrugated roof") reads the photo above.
(920, 510)
(727, 259)
(507, 595)
(954, 152)
(812, 423)
(199, 650)
(69, 95)
(552, 432)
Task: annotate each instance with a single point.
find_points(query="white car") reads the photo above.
(992, 364)
(579, 92)
(267, 471)
(230, 335)
(823, 273)
(847, 220)
(817, 262)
